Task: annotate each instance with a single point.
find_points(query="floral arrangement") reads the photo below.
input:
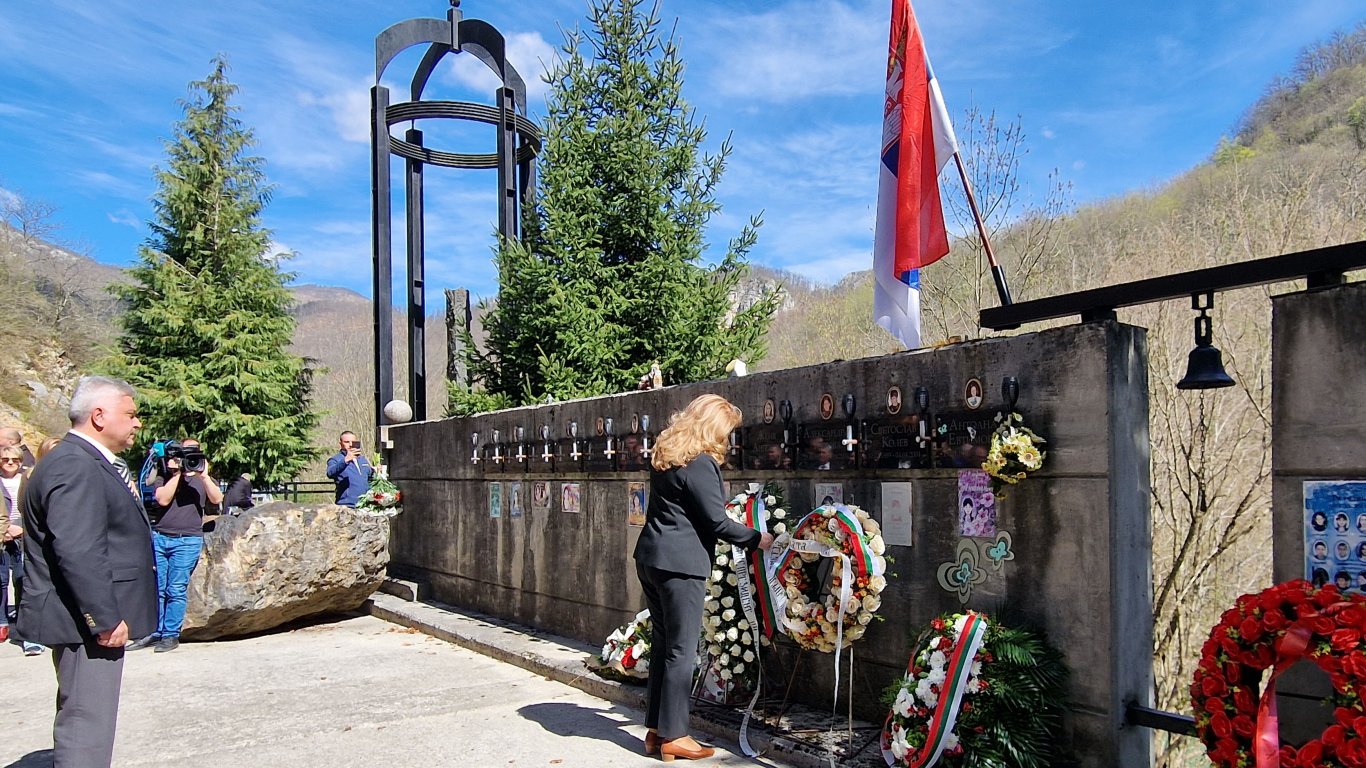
(1273, 629)
(1014, 452)
(976, 694)
(382, 497)
(626, 654)
(731, 668)
(812, 616)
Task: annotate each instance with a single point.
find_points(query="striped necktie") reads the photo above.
(125, 473)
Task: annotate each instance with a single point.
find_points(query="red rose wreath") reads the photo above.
(1272, 630)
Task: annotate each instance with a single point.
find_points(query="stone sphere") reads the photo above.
(397, 412)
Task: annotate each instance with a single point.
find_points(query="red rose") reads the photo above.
(1322, 625)
(1242, 699)
(1352, 616)
(1233, 673)
(1353, 755)
(1212, 686)
(1220, 725)
(1295, 595)
(1311, 753)
(1345, 639)
(1275, 621)
(1289, 757)
(1250, 629)
(1243, 726)
(1327, 596)
(1333, 736)
(1358, 725)
(1214, 706)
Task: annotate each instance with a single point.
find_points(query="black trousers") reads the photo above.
(675, 601)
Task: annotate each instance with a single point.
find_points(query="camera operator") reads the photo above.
(183, 489)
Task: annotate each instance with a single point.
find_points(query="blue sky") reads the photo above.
(1115, 97)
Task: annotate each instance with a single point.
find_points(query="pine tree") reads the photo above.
(610, 275)
(206, 332)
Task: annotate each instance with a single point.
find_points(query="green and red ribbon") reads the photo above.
(958, 671)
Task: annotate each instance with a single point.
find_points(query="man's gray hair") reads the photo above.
(90, 392)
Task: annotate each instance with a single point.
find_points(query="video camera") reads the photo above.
(191, 458)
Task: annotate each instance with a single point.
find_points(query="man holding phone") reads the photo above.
(350, 470)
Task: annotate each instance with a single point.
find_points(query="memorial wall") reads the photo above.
(531, 514)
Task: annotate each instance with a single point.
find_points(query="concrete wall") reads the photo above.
(1081, 529)
(1318, 412)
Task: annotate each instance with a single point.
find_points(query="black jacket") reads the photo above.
(87, 550)
(685, 517)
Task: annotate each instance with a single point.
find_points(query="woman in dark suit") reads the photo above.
(685, 517)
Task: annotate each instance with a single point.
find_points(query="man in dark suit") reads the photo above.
(89, 578)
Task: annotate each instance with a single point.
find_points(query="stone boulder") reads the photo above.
(283, 561)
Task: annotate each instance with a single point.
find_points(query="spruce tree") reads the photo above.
(205, 335)
(610, 276)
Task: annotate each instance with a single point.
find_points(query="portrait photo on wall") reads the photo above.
(570, 498)
(514, 499)
(1335, 533)
(976, 504)
(635, 504)
(826, 494)
(540, 495)
(495, 499)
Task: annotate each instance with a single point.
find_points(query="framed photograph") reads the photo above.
(570, 498)
(976, 504)
(495, 499)
(635, 504)
(1335, 534)
(540, 495)
(514, 499)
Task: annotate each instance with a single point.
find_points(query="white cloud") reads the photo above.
(529, 54)
(799, 50)
(126, 218)
(1047, 133)
(833, 268)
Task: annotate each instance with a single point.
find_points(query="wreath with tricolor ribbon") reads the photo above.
(831, 613)
(1274, 629)
(976, 694)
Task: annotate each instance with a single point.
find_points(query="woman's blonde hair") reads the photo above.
(47, 445)
(703, 427)
(11, 452)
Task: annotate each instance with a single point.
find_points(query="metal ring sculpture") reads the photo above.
(519, 141)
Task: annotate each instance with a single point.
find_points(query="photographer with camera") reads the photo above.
(350, 470)
(183, 488)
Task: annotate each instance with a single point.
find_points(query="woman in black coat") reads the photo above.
(685, 517)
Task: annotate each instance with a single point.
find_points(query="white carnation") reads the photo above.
(719, 637)
(728, 614)
(732, 580)
(717, 575)
(728, 601)
(735, 650)
(904, 702)
(725, 674)
(721, 560)
(743, 624)
(732, 634)
(739, 668)
(725, 659)
(748, 656)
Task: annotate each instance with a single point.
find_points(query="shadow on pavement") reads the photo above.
(575, 720)
(40, 759)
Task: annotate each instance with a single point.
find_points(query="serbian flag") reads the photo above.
(917, 140)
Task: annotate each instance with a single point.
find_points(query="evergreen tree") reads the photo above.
(205, 335)
(610, 276)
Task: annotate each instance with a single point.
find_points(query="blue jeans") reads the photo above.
(11, 569)
(176, 557)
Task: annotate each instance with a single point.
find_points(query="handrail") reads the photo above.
(1321, 266)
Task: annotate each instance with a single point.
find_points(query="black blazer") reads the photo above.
(87, 550)
(685, 517)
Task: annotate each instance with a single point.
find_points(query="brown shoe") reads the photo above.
(684, 747)
(651, 743)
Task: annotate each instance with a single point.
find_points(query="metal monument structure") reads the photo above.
(519, 140)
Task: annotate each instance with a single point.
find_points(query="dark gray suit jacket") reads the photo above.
(87, 550)
(686, 515)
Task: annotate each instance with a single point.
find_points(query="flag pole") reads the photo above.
(997, 274)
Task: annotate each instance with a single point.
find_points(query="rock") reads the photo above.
(283, 561)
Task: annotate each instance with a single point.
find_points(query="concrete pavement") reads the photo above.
(355, 691)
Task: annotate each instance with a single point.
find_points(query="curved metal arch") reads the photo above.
(405, 34)
(487, 44)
